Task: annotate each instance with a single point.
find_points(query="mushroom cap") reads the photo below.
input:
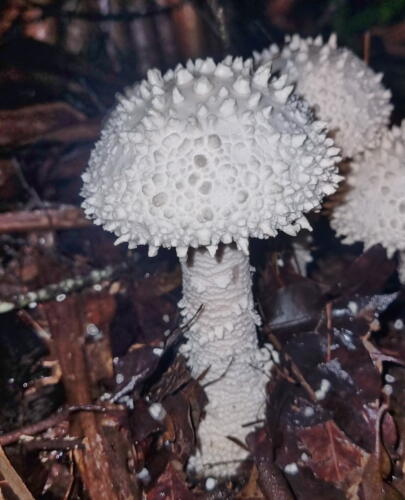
(346, 92)
(374, 209)
(208, 153)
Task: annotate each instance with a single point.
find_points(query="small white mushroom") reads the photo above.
(249, 165)
(344, 91)
(373, 210)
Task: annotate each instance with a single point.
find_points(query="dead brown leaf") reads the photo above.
(171, 485)
(333, 457)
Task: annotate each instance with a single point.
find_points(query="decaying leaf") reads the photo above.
(333, 457)
(171, 485)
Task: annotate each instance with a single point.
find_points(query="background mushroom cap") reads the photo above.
(208, 153)
(347, 93)
(374, 208)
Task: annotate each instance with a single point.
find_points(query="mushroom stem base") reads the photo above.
(223, 339)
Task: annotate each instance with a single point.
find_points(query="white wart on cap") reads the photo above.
(374, 209)
(347, 93)
(208, 153)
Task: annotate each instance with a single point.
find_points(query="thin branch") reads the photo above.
(366, 47)
(59, 290)
(295, 370)
(23, 221)
(52, 10)
(52, 421)
(12, 480)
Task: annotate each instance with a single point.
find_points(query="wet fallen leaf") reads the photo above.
(171, 485)
(333, 457)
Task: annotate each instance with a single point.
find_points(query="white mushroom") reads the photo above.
(347, 94)
(208, 154)
(374, 208)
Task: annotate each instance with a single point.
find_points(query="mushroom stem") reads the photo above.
(223, 339)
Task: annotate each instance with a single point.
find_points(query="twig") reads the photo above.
(52, 10)
(63, 217)
(12, 480)
(295, 370)
(52, 444)
(52, 421)
(177, 332)
(101, 462)
(366, 47)
(35, 198)
(215, 380)
(216, 30)
(62, 288)
(328, 312)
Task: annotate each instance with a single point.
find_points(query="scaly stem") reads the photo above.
(224, 339)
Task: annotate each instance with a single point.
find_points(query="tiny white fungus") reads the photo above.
(291, 468)
(322, 391)
(144, 475)
(387, 389)
(157, 412)
(399, 324)
(210, 483)
(157, 351)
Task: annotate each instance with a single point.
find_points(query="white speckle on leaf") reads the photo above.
(275, 356)
(158, 351)
(210, 483)
(144, 475)
(291, 468)
(322, 391)
(399, 324)
(387, 389)
(93, 331)
(346, 337)
(157, 412)
(119, 378)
